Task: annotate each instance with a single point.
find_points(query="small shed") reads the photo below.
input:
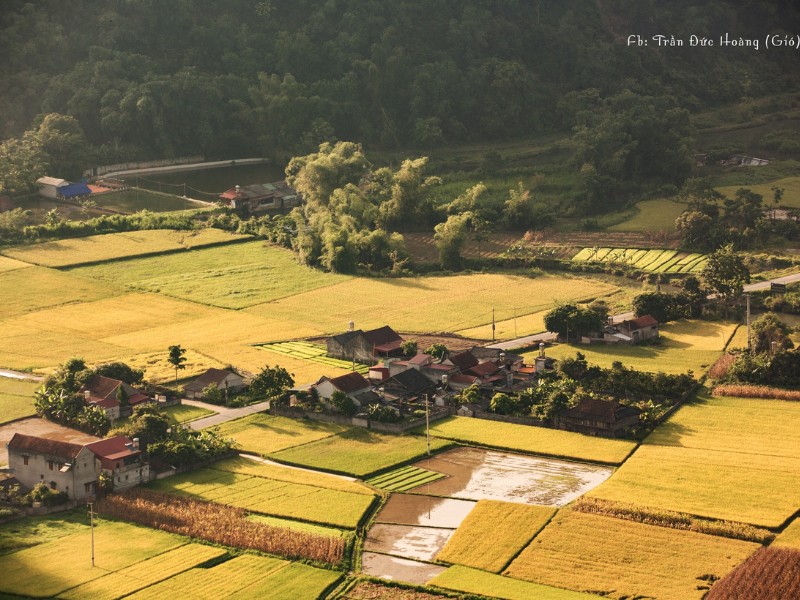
(74, 190)
(221, 378)
(49, 186)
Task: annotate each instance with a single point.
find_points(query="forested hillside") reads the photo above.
(151, 79)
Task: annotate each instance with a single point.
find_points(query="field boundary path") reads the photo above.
(20, 375)
(272, 463)
(224, 413)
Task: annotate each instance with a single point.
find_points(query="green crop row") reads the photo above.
(652, 261)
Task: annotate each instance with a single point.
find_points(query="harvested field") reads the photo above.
(723, 458)
(623, 559)
(473, 581)
(358, 452)
(264, 434)
(494, 533)
(96, 248)
(769, 574)
(536, 440)
(477, 474)
(422, 246)
(686, 345)
(369, 590)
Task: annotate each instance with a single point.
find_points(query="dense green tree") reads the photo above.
(450, 237)
(725, 275)
(120, 371)
(571, 321)
(343, 403)
(176, 358)
(271, 382)
(769, 334)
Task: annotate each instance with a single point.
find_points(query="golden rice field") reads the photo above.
(9, 264)
(686, 345)
(16, 399)
(426, 304)
(724, 458)
(64, 253)
(625, 559)
(144, 573)
(789, 537)
(493, 533)
(266, 495)
(474, 581)
(246, 577)
(264, 434)
(535, 440)
(40, 570)
(508, 328)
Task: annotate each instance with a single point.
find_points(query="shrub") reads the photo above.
(45, 495)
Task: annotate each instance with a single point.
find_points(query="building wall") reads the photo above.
(45, 468)
(130, 475)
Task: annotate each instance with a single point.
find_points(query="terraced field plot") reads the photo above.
(686, 345)
(358, 452)
(494, 533)
(68, 252)
(535, 440)
(264, 434)
(473, 581)
(271, 496)
(650, 261)
(9, 264)
(625, 559)
(314, 353)
(404, 479)
(724, 458)
(789, 537)
(38, 570)
(427, 304)
(16, 399)
(231, 276)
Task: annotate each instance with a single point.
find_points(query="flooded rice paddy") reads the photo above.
(412, 528)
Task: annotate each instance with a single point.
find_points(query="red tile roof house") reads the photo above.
(224, 380)
(121, 459)
(633, 331)
(63, 466)
(102, 391)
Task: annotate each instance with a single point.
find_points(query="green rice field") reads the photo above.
(404, 479)
(358, 452)
(264, 434)
(269, 496)
(652, 215)
(314, 353)
(650, 261)
(16, 399)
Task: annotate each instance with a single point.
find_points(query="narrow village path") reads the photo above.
(20, 375)
(224, 413)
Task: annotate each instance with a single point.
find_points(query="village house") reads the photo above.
(106, 393)
(407, 387)
(637, 330)
(365, 346)
(352, 384)
(62, 466)
(224, 380)
(604, 418)
(261, 197)
(121, 459)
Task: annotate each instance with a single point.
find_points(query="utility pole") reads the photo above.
(91, 527)
(427, 424)
(749, 349)
(493, 323)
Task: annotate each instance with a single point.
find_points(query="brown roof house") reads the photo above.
(121, 459)
(598, 417)
(62, 466)
(365, 346)
(633, 331)
(224, 380)
(261, 197)
(354, 385)
(105, 392)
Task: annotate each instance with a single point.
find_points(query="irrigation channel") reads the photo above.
(413, 527)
